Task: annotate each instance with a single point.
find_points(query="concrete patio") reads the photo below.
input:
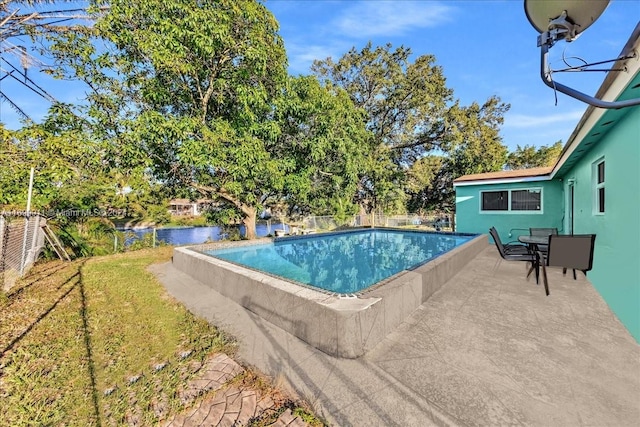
(488, 348)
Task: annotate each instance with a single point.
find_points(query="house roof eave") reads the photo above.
(493, 181)
(518, 174)
(612, 88)
(616, 85)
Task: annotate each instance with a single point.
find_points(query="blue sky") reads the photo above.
(485, 48)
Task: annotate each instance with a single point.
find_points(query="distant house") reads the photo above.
(181, 207)
(594, 188)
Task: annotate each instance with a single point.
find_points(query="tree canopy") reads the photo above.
(324, 138)
(530, 157)
(413, 114)
(203, 76)
(216, 111)
(405, 100)
(194, 97)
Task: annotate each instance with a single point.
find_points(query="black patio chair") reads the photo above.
(543, 232)
(516, 252)
(514, 246)
(571, 251)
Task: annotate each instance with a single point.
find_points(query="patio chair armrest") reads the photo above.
(516, 248)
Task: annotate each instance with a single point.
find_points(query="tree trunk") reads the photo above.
(249, 222)
(250, 212)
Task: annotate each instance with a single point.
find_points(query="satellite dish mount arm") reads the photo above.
(562, 28)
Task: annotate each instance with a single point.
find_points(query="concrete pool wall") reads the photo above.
(341, 326)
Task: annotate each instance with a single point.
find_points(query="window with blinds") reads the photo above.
(517, 200)
(525, 200)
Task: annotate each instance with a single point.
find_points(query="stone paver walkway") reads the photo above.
(215, 372)
(232, 405)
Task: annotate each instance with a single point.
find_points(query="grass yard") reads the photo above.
(97, 341)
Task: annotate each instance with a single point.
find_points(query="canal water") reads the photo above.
(197, 235)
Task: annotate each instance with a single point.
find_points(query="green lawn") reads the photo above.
(72, 335)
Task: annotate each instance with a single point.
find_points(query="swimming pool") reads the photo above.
(342, 324)
(343, 263)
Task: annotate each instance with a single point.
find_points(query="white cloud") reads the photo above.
(389, 18)
(530, 121)
(301, 56)
(354, 21)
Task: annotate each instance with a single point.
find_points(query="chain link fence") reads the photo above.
(431, 221)
(22, 237)
(435, 221)
(21, 242)
(324, 223)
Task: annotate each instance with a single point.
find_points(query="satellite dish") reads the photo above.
(579, 13)
(566, 20)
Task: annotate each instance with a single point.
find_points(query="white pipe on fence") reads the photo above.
(23, 258)
(34, 240)
(2, 250)
(24, 245)
(30, 192)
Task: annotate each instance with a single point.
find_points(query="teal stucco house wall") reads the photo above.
(511, 201)
(594, 188)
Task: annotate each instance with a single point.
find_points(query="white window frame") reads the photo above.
(509, 211)
(597, 186)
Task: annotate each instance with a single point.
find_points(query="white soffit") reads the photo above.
(503, 180)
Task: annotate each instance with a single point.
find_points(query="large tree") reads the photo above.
(203, 76)
(199, 90)
(423, 184)
(413, 114)
(474, 146)
(405, 100)
(62, 162)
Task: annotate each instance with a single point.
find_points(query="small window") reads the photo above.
(599, 187)
(525, 200)
(495, 201)
(601, 200)
(601, 172)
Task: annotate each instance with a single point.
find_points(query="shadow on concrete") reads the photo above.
(489, 348)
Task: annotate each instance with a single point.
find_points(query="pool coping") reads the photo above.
(341, 326)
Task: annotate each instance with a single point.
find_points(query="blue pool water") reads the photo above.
(346, 262)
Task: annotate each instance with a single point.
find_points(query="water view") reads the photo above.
(197, 235)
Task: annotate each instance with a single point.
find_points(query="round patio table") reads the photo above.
(534, 241)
